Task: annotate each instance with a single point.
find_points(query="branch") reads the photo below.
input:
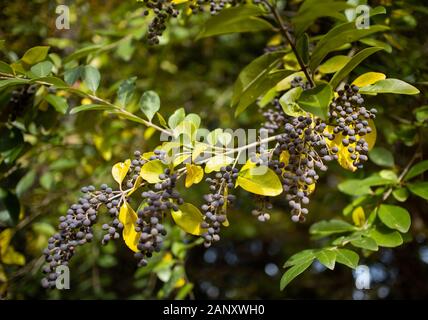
(289, 39)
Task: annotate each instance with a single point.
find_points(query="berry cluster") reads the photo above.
(261, 212)
(274, 117)
(158, 202)
(298, 82)
(134, 170)
(350, 119)
(216, 202)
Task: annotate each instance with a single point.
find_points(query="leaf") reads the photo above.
(5, 68)
(194, 174)
(390, 86)
(176, 118)
(401, 194)
(293, 272)
(316, 100)
(368, 78)
(416, 170)
(382, 157)
(35, 54)
(352, 64)
(289, 104)
(356, 187)
(338, 36)
(72, 75)
(126, 91)
(365, 243)
(300, 257)
(266, 184)
(194, 119)
(54, 81)
(198, 149)
(11, 83)
(59, 103)
(150, 104)
(347, 257)
(327, 258)
(421, 113)
(91, 78)
(235, 20)
(151, 170)
(119, 171)
(358, 216)
(42, 69)
(326, 228)
(25, 183)
(420, 189)
(385, 237)
(128, 218)
(83, 52)
(334, 64)
(216, 162)
(302, 46)
(92, 107)
(189, 218)
(394, 217)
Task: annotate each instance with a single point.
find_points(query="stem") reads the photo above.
(289, 39)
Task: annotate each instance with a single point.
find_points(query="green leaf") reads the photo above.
(302, 46)
(235, 20)
(289, 104)
(34, 55)
(420, 189)
(389, 86)
(59, 103)
(5, 68)
(334, 64)
(150, 104)
(126, 91)
(255, 80)
(365, 243)
(421, 113)
(72, 75)
(42, 69)
(9, 208)
(352, 64)
(327, 258)
(338, 36)
(194, 119)
(25, 183)
(377, 43)
(395, 217)
(91, 77)
(54, 81)
(356, 187)
(189, 218)
(382, 157)
(401, 194)
(176, 118)
(260, 180)
(416, 170)
(326, 228)
(91, 107)
(293, 272)
(386, 237)
(300, 257)
(151, 170)
(82, 53)
(11, 83)
(347, 257)
(316, 100)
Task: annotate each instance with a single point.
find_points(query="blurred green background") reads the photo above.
(61, 153)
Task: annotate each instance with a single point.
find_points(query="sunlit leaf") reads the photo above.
(194, 174)
(151, 170)
(255, 181)
(120, 170)
(368, 78)
(189, 218)
(128, 218)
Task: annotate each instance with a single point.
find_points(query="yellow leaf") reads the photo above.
(180, 159)
(248, 165)
(151, 170)
(275, 40)
(128, 217)
(120, 170)
(371, 137)
(198, 149)
(180, 282)
(8, 255)
(266, 184)
(215, 163)
(358, 216)
(178, 1)
(194, 174)
(189, 218)
(284, 157)
(5, 238)
(148, 133)
(3, 276)
(368, 78)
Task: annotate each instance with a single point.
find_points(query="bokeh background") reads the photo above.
(61, 153)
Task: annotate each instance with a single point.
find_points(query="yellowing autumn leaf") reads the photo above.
(194, 174)
(215, 163)
(128, 217)
(8, 255)
(151, 170)
(368, 78)
(120, 170)
(358, 216)
(266, 184)
(189, 218)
